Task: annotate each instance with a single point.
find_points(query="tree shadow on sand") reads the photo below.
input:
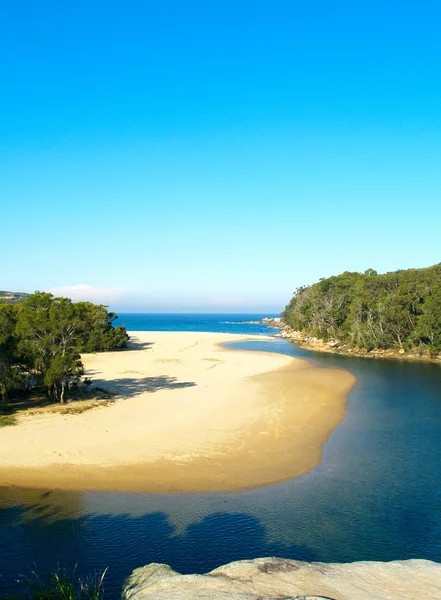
(131, 386)
(135, 344)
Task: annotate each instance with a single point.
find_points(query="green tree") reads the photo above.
(428, 330)
(64, 370)
(97, 332)
(9, 376)
(35, 334)
(51, 333)
(401, 309)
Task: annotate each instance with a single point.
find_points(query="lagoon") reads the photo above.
(375, 496)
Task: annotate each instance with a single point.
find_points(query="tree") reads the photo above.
(428, 330)
(33, 330)
(97, 332)
(366, 310)
(51, 333)
(8, 351)
(64, 369)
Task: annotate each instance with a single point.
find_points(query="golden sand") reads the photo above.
(190, 416)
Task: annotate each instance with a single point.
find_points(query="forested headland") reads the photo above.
(400, 310)
(41, 339)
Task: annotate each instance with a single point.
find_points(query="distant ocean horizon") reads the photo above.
(243, 323)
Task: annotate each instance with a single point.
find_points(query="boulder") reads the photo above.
(333, 343)
(276, 579)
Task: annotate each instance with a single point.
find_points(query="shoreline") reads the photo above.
(299, 339)
(359, 353)
(191, 416)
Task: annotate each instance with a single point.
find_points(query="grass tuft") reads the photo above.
(62, 586)
(7, 420)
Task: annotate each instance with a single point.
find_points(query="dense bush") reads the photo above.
(41, 339)
(401, 309)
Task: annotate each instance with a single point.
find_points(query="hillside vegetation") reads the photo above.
(401, 310)
(11, 297)
(41, 339)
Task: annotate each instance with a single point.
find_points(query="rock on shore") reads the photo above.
(336, 346)
(277, 579)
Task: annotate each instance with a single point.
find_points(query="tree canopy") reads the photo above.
(41, 339)
(401, 309)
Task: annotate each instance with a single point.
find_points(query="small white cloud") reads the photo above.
(81, 291)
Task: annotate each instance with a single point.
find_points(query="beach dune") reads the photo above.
(189, 415)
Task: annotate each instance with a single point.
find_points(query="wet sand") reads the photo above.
(189, 416)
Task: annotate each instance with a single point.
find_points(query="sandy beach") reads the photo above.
(189, 415)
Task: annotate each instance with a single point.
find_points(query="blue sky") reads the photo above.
(186, 156)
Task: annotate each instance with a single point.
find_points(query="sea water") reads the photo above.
(228, 323)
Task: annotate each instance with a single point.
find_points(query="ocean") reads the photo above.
(222, 323)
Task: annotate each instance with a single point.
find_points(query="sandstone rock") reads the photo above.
(272, 322)
(276, 578)
(333, 343)
(147, 577)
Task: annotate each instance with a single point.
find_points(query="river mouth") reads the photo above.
(375, 496)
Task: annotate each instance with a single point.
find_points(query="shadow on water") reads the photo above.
(43, 544)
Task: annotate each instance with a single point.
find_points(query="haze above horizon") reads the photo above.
(211, 157)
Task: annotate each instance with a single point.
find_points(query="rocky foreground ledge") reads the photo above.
(281, 579)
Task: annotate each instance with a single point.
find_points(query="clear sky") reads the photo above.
(215, 155)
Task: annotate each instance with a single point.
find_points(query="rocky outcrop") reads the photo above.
(272, 321)
(280, 579)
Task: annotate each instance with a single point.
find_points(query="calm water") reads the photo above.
(376, 495)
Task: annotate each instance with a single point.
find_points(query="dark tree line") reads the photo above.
(41, 340)
(401, 309)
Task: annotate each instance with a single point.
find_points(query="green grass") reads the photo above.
(62, 586)
(6, 420)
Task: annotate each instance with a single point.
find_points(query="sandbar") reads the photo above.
(189, 415)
